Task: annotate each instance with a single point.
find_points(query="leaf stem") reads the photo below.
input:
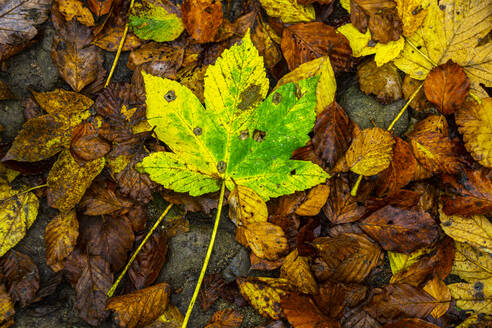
(120, 47)
(122, 274)
(414, 94)
(353, 192)
(25, 191)
(207, 257)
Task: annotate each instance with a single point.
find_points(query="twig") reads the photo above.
(24, 191)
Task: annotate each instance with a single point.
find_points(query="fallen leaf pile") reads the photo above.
(345, 227)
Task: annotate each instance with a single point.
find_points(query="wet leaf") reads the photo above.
(5, 92)
(296, 270)
(472, 264)
(100, 7)
(399, 229)
(101, 199)
(75, 9)
(68, 181)
(141, 307)
(202, 19)
(371, 151)
(227, 318)
(229, 139)
(395, 301)
(171, 57)
(349, 257)
(302, 312)
(476, 320)
(342, 207)
(419, 102)
(110, 38)
(412, 14)
(157, 20)
(476, 126)
(438, 289)
(246, 206)
(213, 287)
(384, 81)
(21, 277)
(447, 86)
(86, 144)
(18, 211)
(315, 200)
(476, 296)
(304, 42)
(410, 323)
(171, 318)
(267, 41)
(266, 240)
(432, 147)
(60, 238)
(7, 310)
(290, 11)
(358, 318)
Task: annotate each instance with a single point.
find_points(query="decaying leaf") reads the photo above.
(246, 206)
(110, 38)
(419, 102)
(342, 207)
(301, 312)
(371, 151)
(7, 310)
(18, 211)
(447, 86)
(202, 19)
(296, 270)
(68, 181)
(290, 11)
(315, 200)
(384, 81)
(76, 9)
(267, 42)
(227, 318)
(5, 92)
(60, 238)
(266, 240)
(86, 144)
(213, 287)
(438, 289)
(171, 318)
(475, 296)
(472, 264)
(141, 307)
(100, 7)
(101, 199)
(475, 123)
(412, 13)
(21, 277)
(304, 42)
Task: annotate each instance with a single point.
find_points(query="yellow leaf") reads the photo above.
(289, 11)
(371, 152)
(400, 261)
(412, 14)
(315, 200)
(61, 101)
(246, 206)
(476, 320)
(475, 230)
(453, 30)
(346, 5)
(18, 211)
(438, 289)
(60, 238)
(266, 240)
(297, 271)
(7, 175)
(327, 85)
(476, 296)
(67, 180)
(471, 264)
(171, 318)
(75, 9)
(264, 294)
(475, 123)
(362, 45)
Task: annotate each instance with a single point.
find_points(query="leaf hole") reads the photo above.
(170, 96)
(258, 135)
(197, 131)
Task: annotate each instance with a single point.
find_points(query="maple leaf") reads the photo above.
(236, 139)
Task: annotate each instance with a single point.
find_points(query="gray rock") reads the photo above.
(11, 118)
(239, 266)
(361, 108)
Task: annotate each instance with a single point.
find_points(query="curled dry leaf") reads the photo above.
(315, 200)
(384, 81)
(476, 296)
(296, 270)
(302, 312)
(472, 264)
(432, 147)
(227, 318)
(401, 230)
(246, 206)
(470, 193)
(202, 19)
(60, 237)
(141, 307)
(75, 9)
(371, 151)
(395, 301)
(68, 181)
(438, 289)
(18, 211)
(266, 240)
(289, 11)
(475, 123)
(349, 257)
(307, 41)
(7, 310)
(21, 277)
(447, 87)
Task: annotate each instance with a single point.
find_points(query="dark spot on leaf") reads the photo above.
(277, 98)
(446, 223)
(478, 286)
(197, 131)
(221, 166)
(371, 43)
(293, 172)
(390, 222)
(259, 135)
(249, 96)
(479, 296)
(417, 10)
(170, 96)
(244, 134)
(442, 7)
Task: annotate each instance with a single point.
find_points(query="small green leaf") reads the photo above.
(155, 21)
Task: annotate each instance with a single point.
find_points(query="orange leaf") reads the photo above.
(301, 312)
(314, 201)
(202, 18)
(266, 240)
(227, 318)
(296, 270)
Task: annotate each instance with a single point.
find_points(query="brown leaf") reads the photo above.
(401, 230)
(109, 39)
(60, 237)
(202, 18)
(331, 298)
(149, 261)
(169, 56)
(438, 289)
(76, 9)
(358, 318)
(213, 286)
(395, 301)
(266, 240)
(100, 7)
(380, 16)
(86, 145)
(349, 257)
(333, 133)
(227, 318)
(265, 40)
(108, 237)
(410, 323)
(296, 270)
(432, 147)
(400, 171)
(141, 307)
(21, 277)
(301, 312)
(134, 184)
(91, 288)
(7, 310)
(315, 200)
(101, 199)
(469, 193)
(204, 203)
(420, 102)
(258, 263)
(384, 82)
(73, 266)
(5, 93)
(447, 87)
(307, 41)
